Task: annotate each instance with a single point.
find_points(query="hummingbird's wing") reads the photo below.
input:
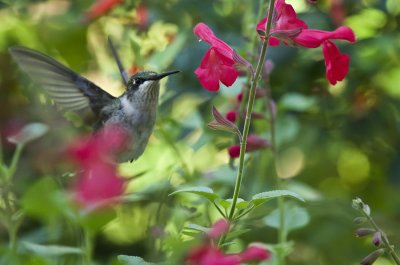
(68, 89)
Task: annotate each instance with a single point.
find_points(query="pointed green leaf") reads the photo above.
(28, 133)
(197, 227)
(205, 192)
(133, 260)
(264, 197)
(51, 250)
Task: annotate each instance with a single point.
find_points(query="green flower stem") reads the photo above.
(282, 232)
(385, 240)
(14, 161)
(88, 246)
(249, 110)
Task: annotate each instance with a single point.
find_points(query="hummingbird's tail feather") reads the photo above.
(68, 89)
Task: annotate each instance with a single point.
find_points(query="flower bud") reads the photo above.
(377, 238)
(360, 220)
(371, 258)
(360, 232)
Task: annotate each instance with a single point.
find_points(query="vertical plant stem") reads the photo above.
(282, 232)
(88, 246)
(385, 239)
(14, 162)
(249, 110)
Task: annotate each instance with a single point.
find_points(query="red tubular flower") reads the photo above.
(98, 182)
(313, 38)
(98, 185)
(218, 63)
(293, 31)
(100, 8)
(211, 255)
(255, 253)
(337, 64)
(219, 228)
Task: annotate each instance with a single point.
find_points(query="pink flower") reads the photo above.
(219, 228)
(255, 253)
(337, 64)
(293, 31)
(218, 63)
(313, 38)
(210, 255)
(253, 143)
(98, 182)
(98, 185)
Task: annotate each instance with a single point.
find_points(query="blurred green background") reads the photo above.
(335, 142)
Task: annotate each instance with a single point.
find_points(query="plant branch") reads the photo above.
(249, 109)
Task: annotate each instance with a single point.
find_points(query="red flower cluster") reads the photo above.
(98, 182)
(208, 254)
(218, 63)
(293, 31)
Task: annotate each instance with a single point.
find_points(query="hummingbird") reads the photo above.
(134, 111)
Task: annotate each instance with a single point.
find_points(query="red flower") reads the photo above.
(98, 182)
(211, 255)
(100, 8)
(219, 228)
(253, 143)
(337, 64)
(218, 63)
(255, 253)
(98, 185)
(293, 31)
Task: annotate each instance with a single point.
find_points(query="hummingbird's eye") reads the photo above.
(138, 81)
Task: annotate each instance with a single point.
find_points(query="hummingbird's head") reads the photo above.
(144, 86)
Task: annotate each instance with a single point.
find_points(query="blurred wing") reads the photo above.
(68, 89)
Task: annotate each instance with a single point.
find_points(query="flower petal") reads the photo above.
(216, 67)
(337, 64)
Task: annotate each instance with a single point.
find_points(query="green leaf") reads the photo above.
(197, 227)
(264, 197)
(133, 260)
(44, 200)
(240, 203)
(51, 250)
(28, 133)
(295, 217)
(205, 192)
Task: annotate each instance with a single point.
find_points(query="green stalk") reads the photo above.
(14, 162)
(249, 110)
(385, 240)
(88, 247)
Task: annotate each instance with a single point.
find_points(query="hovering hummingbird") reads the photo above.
(134, 111)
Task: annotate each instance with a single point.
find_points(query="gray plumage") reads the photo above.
(134, 111)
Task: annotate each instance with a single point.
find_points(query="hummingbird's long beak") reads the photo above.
(162, 75)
